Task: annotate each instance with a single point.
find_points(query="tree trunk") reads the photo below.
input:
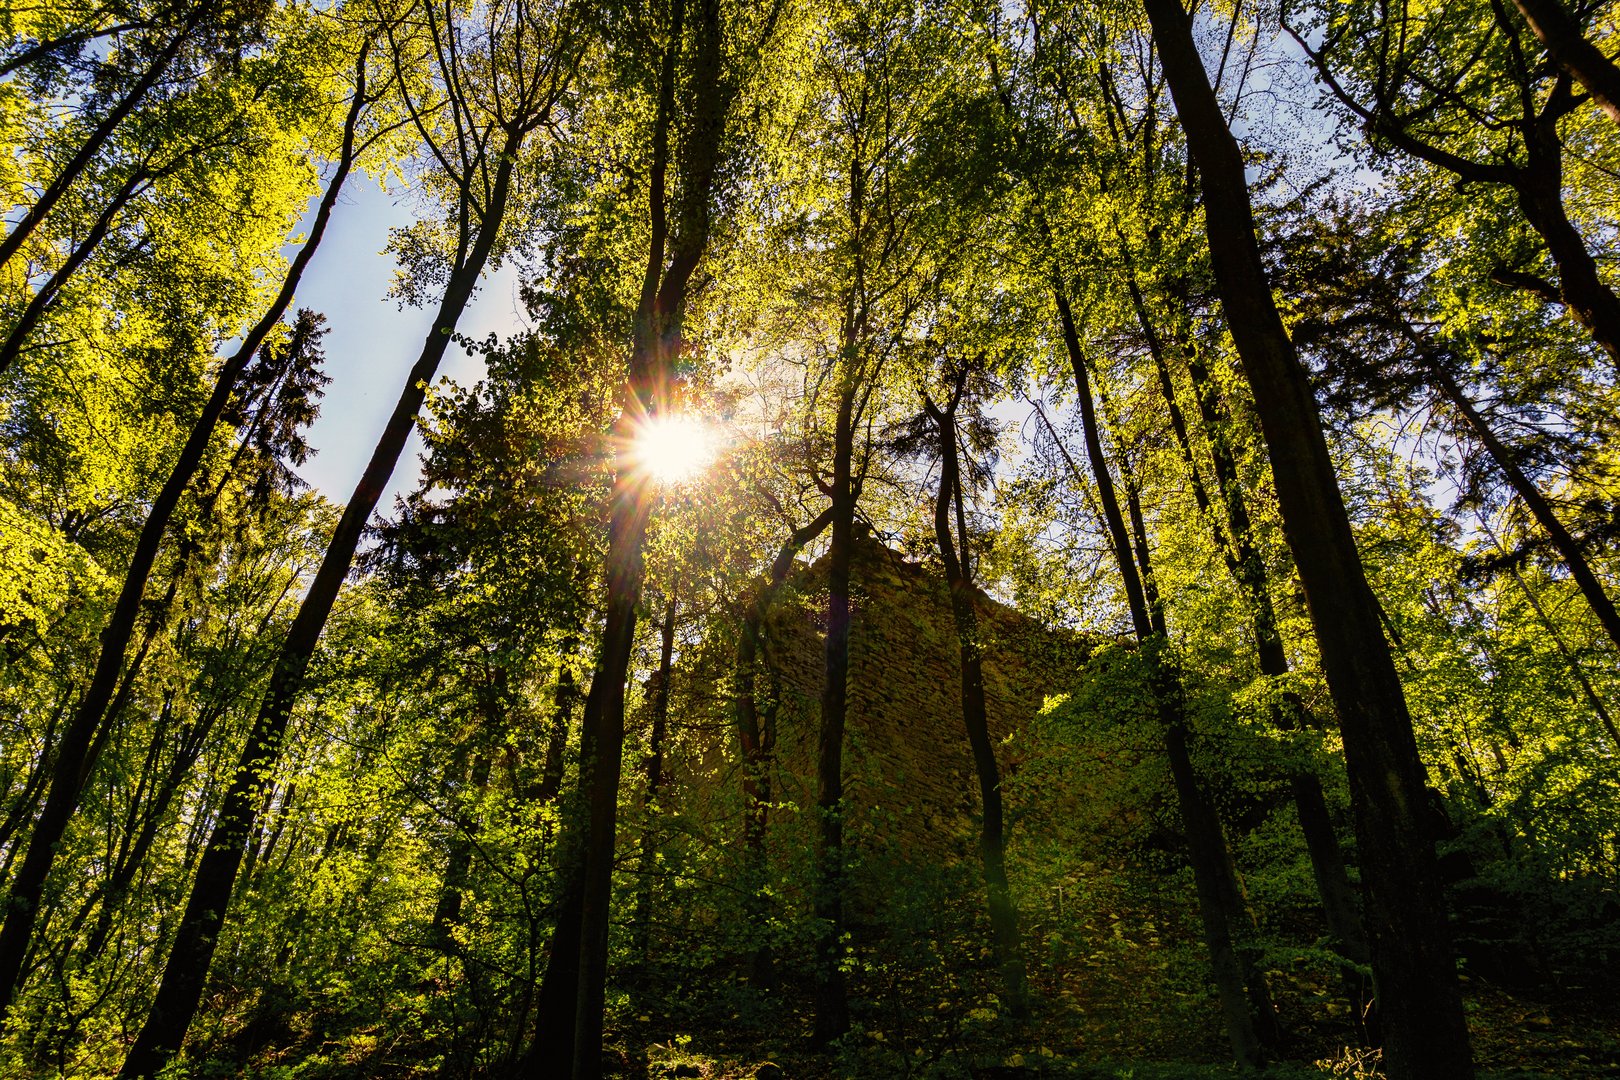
(100, 134)
(552, 1052)
(1586, 296)
(21, 808)
(12, 347)
(562, 719)
(757, 746)
(1129, 576)
(1006, 940)
(660, 313)
(641, 920)
(601, 770)
(1421, 1007)
(49, 47)
(1339, 905)
(831, 995)
(458, 867)
(1547, 624)
(145, 831)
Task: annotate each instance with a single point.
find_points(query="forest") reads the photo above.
(1001, 540)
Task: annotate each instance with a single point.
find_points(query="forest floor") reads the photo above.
(1576, 1036)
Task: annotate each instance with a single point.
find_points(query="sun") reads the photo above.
(674, 449)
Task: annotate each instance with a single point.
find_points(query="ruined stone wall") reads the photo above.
(910, 785)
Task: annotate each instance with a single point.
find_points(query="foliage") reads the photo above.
(909, 199)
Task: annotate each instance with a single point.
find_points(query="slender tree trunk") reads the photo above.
(21, 808)
(76, 755)
(40, 50)
(831, 995)
(1231, 899)
(187, 968)
(562, 720)
(600, 772)
(125, 687)
(1425, 1033)
(1592, 698)
(551, 1052)
(641, 920)
(145, 830)
(660, 314)
(1339, 904)
(458, 867)
(17, 337)
(1172, 403)
(1130, 576)
(756, 791)
(1007, 941)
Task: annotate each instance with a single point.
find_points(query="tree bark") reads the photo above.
(1420, 1005)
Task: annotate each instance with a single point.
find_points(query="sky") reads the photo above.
(372, 343)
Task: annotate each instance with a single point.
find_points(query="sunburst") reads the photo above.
(675, 449)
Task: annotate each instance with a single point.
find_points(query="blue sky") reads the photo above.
(372, 343)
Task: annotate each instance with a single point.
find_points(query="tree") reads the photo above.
(954, 553)
(1466, 69)
(473, 136)
(1424, 1030)
(75, 755)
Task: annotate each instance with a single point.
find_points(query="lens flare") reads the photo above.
(675, 449)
